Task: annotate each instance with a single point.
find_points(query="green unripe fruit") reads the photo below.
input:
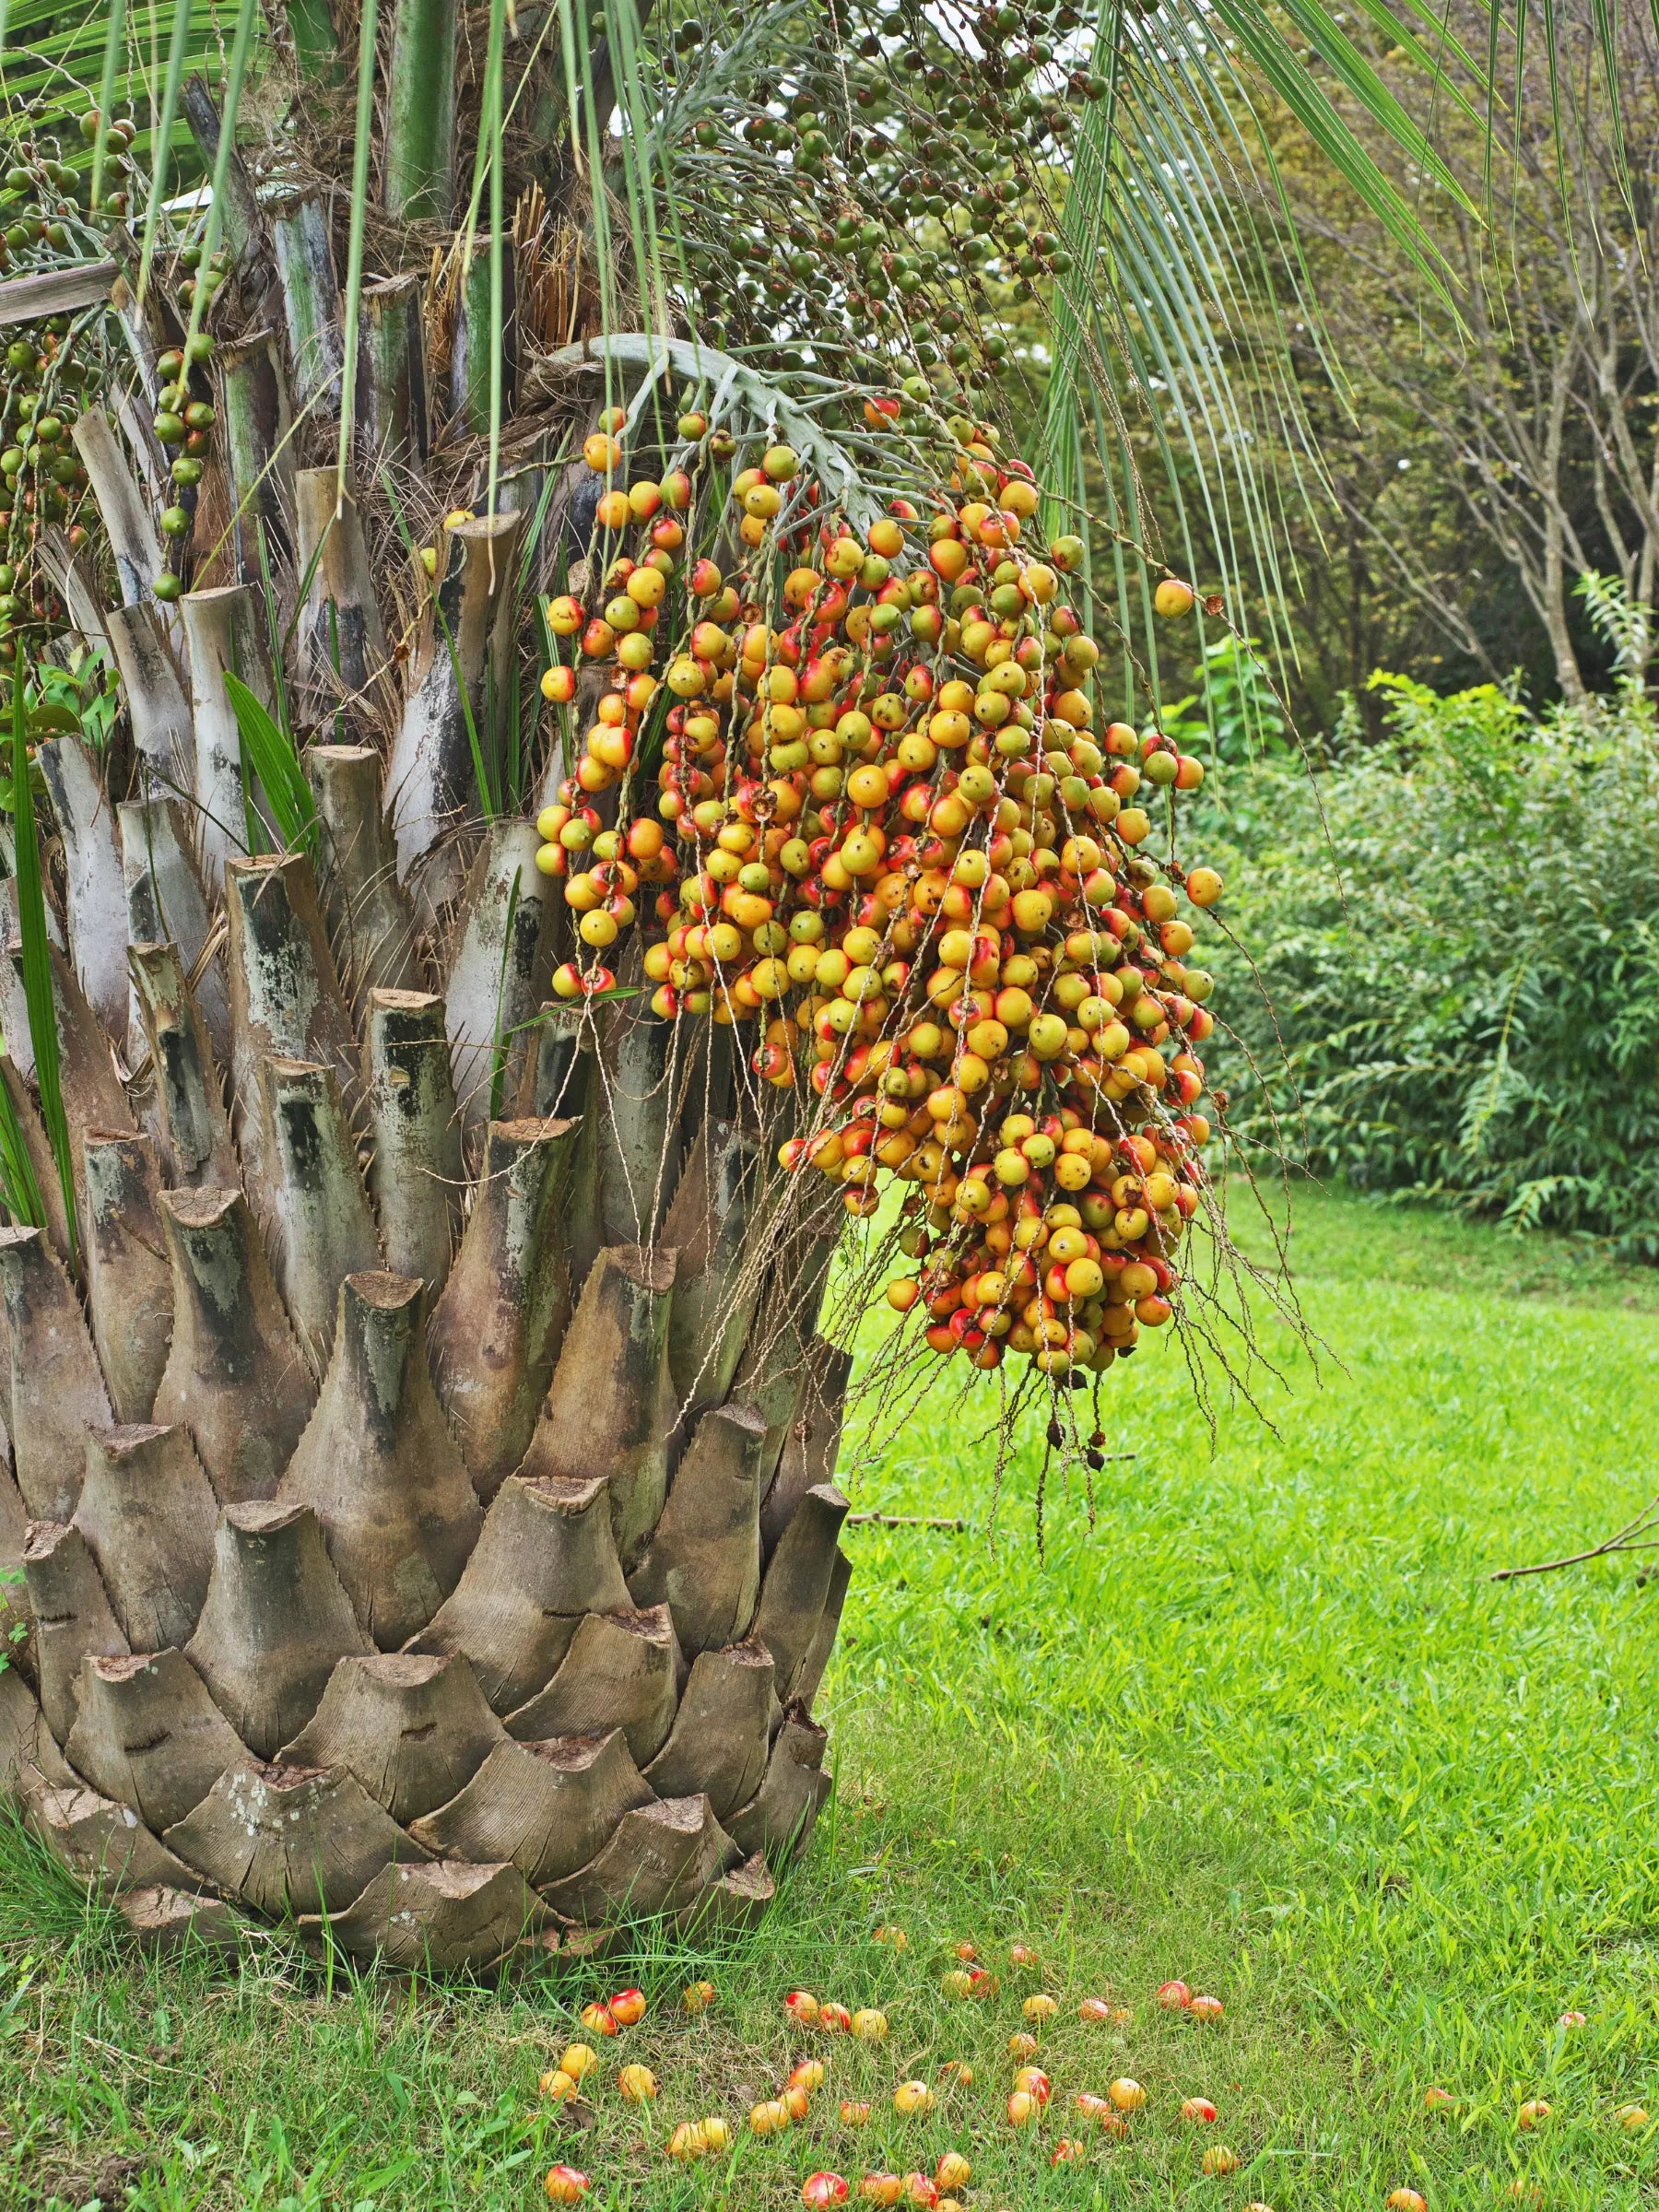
(175, 521)
(187, 472)
(166, 587)
(199, 416)
(170, 427)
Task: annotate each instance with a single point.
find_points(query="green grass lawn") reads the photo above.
(1267, 1725)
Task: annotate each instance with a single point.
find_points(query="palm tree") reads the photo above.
(423, 1430)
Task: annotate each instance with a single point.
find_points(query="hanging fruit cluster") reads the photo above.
(883, 835)
(42, 480)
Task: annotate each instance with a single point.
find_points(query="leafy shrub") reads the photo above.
(1456, 944)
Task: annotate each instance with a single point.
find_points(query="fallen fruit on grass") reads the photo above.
(1021, 1954)
(968, 1951)
(1040, 2006)
(1407, 2200)
(1089, 2106)
(921, 2189)
(808, 2075)
(1436, 2101)
(868, 2025)
(1533, 2112)
(1023, 2108)
(687, 2142)
(913, 2097)
(637, 2084)
(803, 2005)
(895, 1939)
(1571, 2019)
(769, 2118)
(796, 2099)
(953, 2172)
(1068, 2150)
(598, 2020)
(1096, 2010)
(854, 2115)
(824, 2189)
(1631, 2116)
(559, 2085)
(1021, 2045)
(1128, 2095)
(565, 2185)
(1256, 2204)
(956, 2070)
(958, 1982)
(628, 2008)
(834, 2019)
(697, 1996)
(1207, 2008)
(579, 2059)
(1526, 2193)
(1218, 2159)
(716, 2134)
(1197, 2108)
(1174, 1996)
(1035, 2083)
(881, 2188)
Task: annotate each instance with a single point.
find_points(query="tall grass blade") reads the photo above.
(39, 996)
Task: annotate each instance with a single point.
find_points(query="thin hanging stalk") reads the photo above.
(115, 37)
(498, 218)
(354, 261)
(246, 16)
(162, 141)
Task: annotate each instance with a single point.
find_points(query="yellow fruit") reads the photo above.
(953, 2172)
(913, 2097)
(769, 2118)
(716, 2134)
(869, 2026)
(637, 2084)
(697, 1996)
(559, 2085)
(1023, 2108)
(1128, 2095)
(1533, 2114)
(1630, 2117)
(1021, 2045)
(579, 2059)
(1218, 2159)
(1406, 2200)
(1173, 598)
(854, 2115)
(1040, 2006)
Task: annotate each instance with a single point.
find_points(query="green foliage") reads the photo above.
(270, 753)
(38, 993)
(1455, 947)
(1237, 714)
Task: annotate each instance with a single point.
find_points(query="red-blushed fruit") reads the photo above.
(1218, 2159)
(1407, 2200)
(1096, 2011)
(1437, 2101)
(913, 2097)
(955, 2073)
(797, 2100)
(1172, 598)
(1035, 2083)
(807, 2074)
(853, 2113)
(895, 1939)
(958, 1982)
(834, 2019)
(598, 2020)
(771, 2117)
(1068, 2151)
(1114, 2124)
(1023, 2108)
(1207, 2008)
(579, 2059)
(1022, 2046)
(968, 1952)
(1174, 1996)
(1021, 1954)
(868, 2025)
(637, 2084)
(628, 2008)
(1197, 2108)
(697, 1996)
(565, 2185)
(1571, 2019)
(1630, 2117)
(1533, 2112)
(1127, 2095)
(819, 2189)
(953, 2172)
(803, 2005)
(881, 2188)
(1090, 2107)
(1040, 2006)
(921, 2189)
